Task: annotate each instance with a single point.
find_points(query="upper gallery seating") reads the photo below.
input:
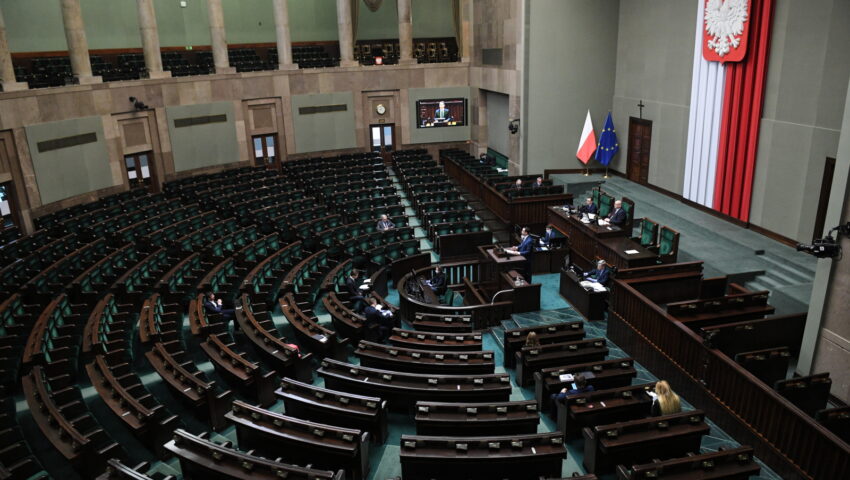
(425, 50)
(43, 72)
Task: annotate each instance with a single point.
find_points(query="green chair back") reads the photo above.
(605, 204)
(665, 244)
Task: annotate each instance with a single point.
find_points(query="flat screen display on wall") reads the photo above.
(444, 112)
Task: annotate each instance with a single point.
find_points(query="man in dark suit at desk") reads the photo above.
(617, 217)
(579, 386)
(385, 223)
(537, 183)
(378, 319)
(601, 275)
(438, 281)
(588, 208)
(213, 306)
(548, 237)
(517, 186)
(355, 296)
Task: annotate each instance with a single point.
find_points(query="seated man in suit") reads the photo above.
(548, 237)
(438, 281)
(213, 306)
(352, 286)
(385, 223)
(537, 183)
(517, 186)
(617, 217)
(441, 114)
(526, 249)
(579, 386)
(588, 208)
(601, 275)
(379, 318)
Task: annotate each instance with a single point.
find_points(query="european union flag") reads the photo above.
(608, 146)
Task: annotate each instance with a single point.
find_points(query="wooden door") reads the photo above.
(640, 139)
(382, 140)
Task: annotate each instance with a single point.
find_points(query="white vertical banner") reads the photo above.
(705, 114)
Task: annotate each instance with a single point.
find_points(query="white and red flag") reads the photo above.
(587, 143)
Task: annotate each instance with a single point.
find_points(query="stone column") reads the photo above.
(466, 26)
(346, 40)
(405, 33)
(7, 71)
(284, 42)
(78, 46)
(150, 39)
(217, 37)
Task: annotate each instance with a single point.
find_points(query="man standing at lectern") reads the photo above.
(526, 249)
(441, 115)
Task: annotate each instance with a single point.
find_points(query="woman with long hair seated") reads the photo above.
(666, 401)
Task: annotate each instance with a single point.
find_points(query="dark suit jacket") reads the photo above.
(526, 247)
(438, 282)
(588, 208)
(211, 307)
(573, 391)
(535, 185)
(351, 286)
(516, 187)
(382, 225)
(601, 276)
(373, 316)
(548, 237)
(617, 217)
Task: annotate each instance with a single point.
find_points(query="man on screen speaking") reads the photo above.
(441, 115)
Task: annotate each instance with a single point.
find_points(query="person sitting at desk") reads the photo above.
(385, 223)
(378, 318)
(531, 340)
(442, 114)
(601, 274)
(665, 401)
(213, 306)
(538, 183)
(352, 286)
(579, 386)
(548, 237)
(438, 281)
(588, 208)
(517, 186)
(526, 249)
(617, 217)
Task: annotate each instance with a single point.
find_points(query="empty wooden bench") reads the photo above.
(769, 365)
(435, 322)
(776, 331)
(338, 408)
(376, 355)
(809, 394)
(555, 333)
(201, 458)
(532, 359)
(436, 340)
(613, 373)
(732, 464)
(640, 441)
(837, 420)
(518, 457)
(293, 439)
(261, 331)
(476, 419)
(402, 390)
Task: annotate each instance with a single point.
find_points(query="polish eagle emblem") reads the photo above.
(725, 28)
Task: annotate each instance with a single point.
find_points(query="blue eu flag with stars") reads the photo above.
(608, 146)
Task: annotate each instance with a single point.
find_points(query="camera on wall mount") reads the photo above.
(513, 126)
(826, 247)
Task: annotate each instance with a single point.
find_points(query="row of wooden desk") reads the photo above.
(589, 241)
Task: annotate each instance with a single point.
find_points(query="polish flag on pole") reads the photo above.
(587, 144)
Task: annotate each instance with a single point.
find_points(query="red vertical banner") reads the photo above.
(743, 99)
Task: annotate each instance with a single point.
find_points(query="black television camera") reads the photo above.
(826, 247)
